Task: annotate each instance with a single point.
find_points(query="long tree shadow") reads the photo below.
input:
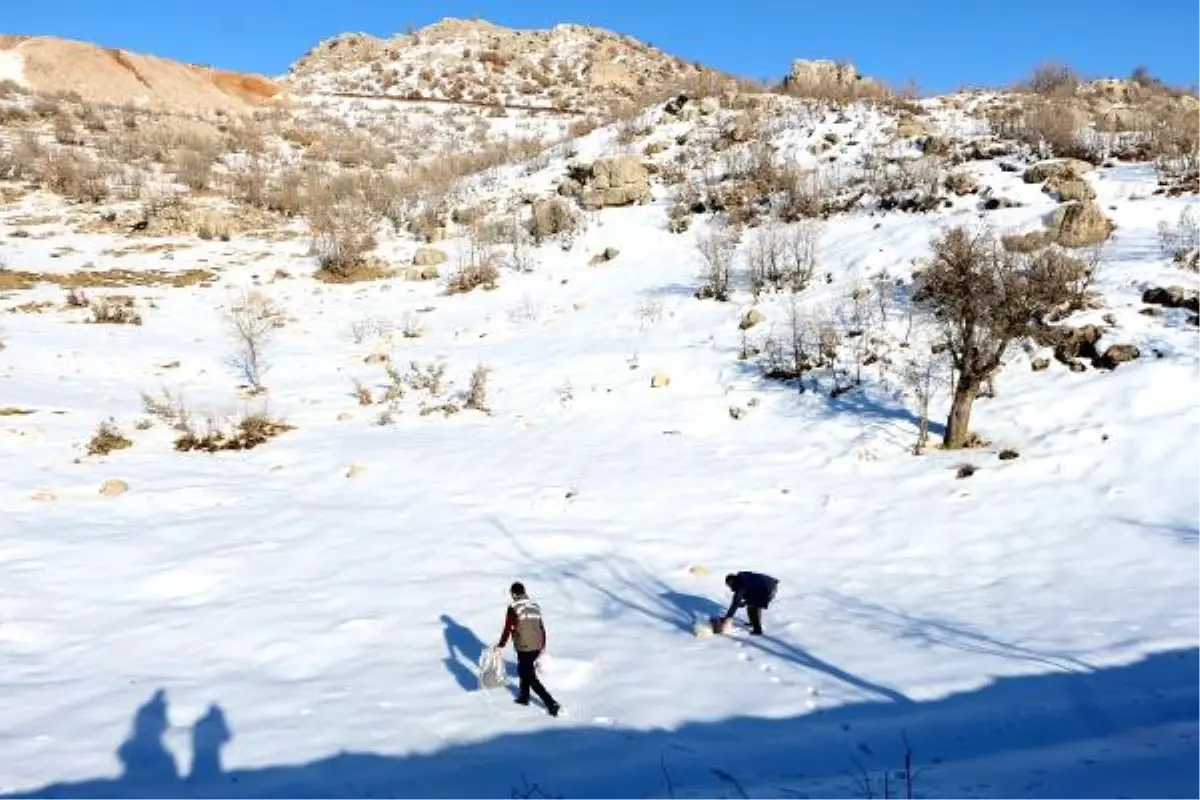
(463, 650)
(868, 401)
(1126, 730)
(932, 631)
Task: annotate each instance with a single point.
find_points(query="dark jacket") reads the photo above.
(752, 589)
(523, 622)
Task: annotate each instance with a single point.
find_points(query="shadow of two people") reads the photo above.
(144, 755)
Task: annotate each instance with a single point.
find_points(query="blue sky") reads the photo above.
(939, 44)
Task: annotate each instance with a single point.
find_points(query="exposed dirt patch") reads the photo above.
(114, 76)
(123, 61)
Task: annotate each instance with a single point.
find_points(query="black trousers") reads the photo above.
(528, 679)
(755, 606)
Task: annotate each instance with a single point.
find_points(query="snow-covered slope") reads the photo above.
(303, 618)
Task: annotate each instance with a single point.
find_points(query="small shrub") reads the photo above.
(246, 433)
(477, 389)
(362, 393)
(343, 231)
(477, 264)
(77, 299)
(429, 378)
(106, 439)
(111, 311)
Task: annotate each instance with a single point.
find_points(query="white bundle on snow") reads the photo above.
(491, 669)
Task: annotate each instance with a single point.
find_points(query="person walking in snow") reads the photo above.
(753, 590)
(523, 622)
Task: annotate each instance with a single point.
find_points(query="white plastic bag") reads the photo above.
(491, 669)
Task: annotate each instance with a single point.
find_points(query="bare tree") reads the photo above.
(925, 375)
(252, 320)
(783, 258)
(983, 299)
(717, 249)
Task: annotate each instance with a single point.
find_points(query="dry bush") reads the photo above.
(794, 353)
(107, 438)
(925, 375)
(252, 319)
(477, 390)
(717, 249)
(193, 169)
(1051, 127)
(429, 378)
(1173, 143)
(65, 132)
(352, 149)
(908, 184)
(75, 177)
(114, 311)
(169, 408)
(285, 193)
(782, 258)
(362, 393)
(1179, 239)
(815, 194)
(242, 433)
(863, 90)
(370, 328)
(1052, 79)
(213, 225)
(477, 264)
(24, 155)
(983, 298)
(1028, 242)
(11, 89)
(343, 232)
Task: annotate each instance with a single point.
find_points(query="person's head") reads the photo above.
(731, 581)
(517, 590)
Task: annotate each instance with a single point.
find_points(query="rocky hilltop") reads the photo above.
(568, 67)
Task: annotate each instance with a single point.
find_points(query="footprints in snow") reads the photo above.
(768, 670)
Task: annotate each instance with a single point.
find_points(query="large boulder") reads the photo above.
(428, 257)
(822, 72)
(1068, 188)
(1080, 224)
(1057, 168)
(616, 181)
(1172, 297)
(551, 216)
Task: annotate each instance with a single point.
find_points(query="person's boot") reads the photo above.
(552, 709)
(521, 701)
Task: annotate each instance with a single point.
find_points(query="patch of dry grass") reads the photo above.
(17, 280)
(106, 439)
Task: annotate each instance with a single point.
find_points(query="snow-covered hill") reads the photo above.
(303, 617)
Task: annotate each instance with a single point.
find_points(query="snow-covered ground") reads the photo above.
(12, 67)
(312, 610)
